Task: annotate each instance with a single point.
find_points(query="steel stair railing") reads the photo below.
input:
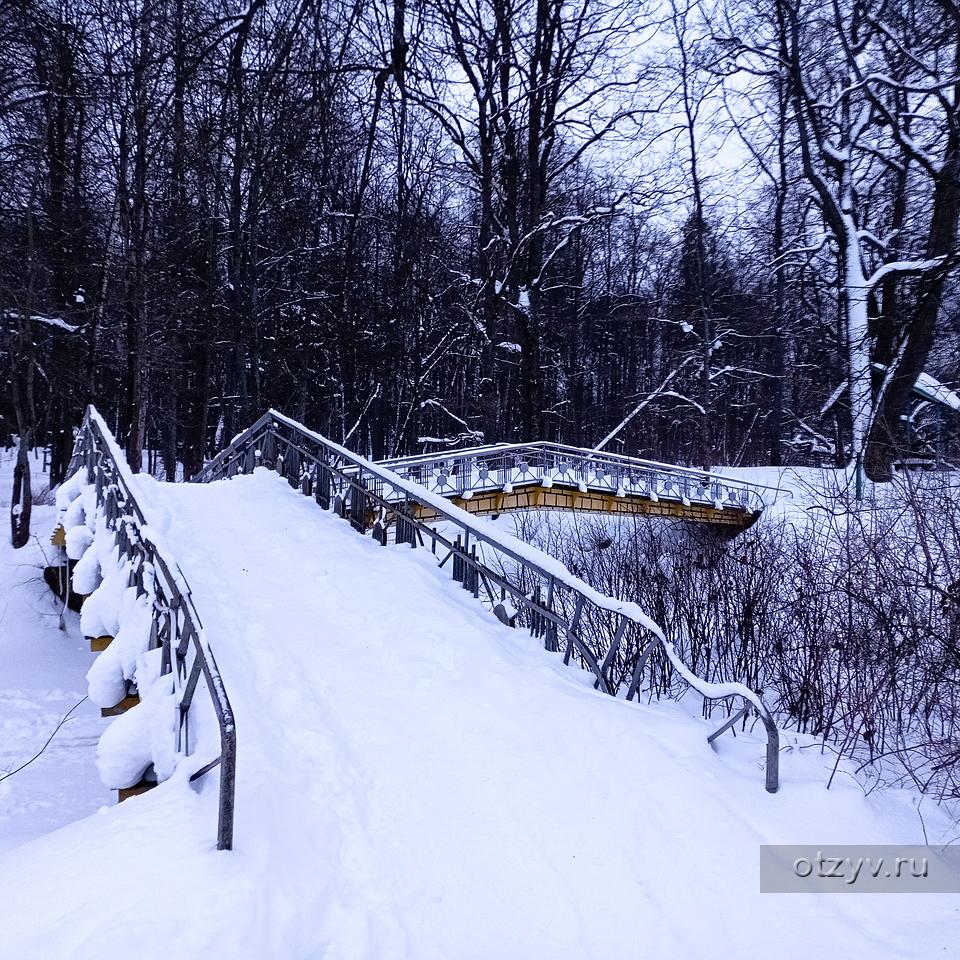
(176, 625)
(614, 640)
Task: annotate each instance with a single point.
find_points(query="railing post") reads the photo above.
(466, 569)
(268, 448)
(291, 466)
(535, 615)
(550, 639)
(322, 491)
(773, 752)
(228, 789)
(88, 459)
(165, 658)
(358, 504)
(574, 626)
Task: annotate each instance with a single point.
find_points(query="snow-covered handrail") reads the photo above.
(491, 468)
(176, 625)
(549, 600)
(594, 456)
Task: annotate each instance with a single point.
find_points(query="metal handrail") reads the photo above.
(176, 625)
(582, 452)
(614, 640)
(491, 467)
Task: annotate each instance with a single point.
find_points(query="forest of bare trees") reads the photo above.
(728, 229)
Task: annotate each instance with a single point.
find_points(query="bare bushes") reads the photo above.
(846, 620)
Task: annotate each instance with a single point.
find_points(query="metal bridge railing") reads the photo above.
(612, 639)
(176, 626)
(506, 465)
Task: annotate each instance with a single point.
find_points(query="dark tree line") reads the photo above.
(438, 222)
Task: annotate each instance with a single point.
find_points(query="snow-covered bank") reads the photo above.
(416, 780)
(42, 671)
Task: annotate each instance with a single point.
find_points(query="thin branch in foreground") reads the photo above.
(49, 740)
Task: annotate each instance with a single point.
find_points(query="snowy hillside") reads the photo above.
(417, 780)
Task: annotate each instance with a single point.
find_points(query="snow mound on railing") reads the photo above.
(102, 578)
(77, 501)
(143, 736)
(69, 490)
(116, 667)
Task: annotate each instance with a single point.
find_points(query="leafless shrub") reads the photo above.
(847, 620)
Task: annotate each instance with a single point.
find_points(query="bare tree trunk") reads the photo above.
(885, 435)
(24, 371)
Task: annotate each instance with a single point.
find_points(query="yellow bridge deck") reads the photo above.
(538, 497)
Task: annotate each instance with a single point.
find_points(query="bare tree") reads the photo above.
(855, 133)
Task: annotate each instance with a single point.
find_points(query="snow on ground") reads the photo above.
(416, 780)
(787, 491)
(42, 668)
(799, 494)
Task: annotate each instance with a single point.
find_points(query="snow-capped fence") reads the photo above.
(614, 640)
(626, 481)
(175, 628)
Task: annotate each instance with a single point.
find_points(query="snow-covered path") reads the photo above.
(416, 780)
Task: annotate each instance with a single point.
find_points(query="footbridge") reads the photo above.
(501, 478)
(496, 479)
(206, 598)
